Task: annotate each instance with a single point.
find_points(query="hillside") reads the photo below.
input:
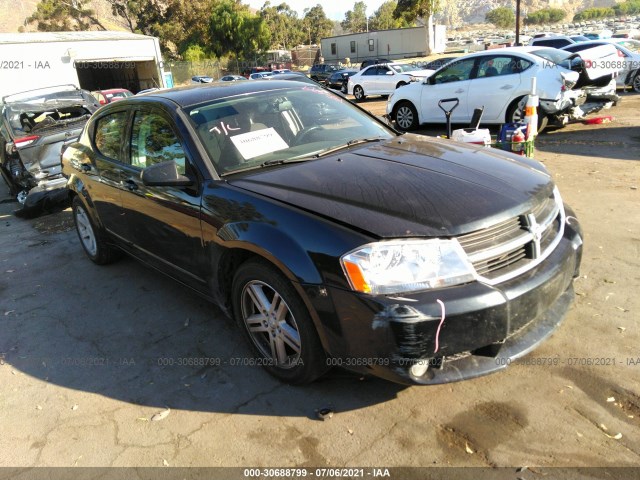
(456, 12)
(459, 12)
(21, 9)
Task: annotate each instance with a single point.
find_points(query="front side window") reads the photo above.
(154, 141)
(109, 132)
(455, 72)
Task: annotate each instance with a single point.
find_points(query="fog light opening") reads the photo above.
(420, 368)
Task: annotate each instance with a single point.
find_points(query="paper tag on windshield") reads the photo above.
(260, 142)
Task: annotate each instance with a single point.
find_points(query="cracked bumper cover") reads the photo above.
(484, 328)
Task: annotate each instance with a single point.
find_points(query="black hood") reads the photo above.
(408, 186)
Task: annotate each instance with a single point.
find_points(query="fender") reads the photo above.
(274, 245)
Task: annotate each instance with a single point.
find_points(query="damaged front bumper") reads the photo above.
(453, 333)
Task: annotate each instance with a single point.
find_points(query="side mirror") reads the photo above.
(164, 174)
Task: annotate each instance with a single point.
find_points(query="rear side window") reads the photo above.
(109, 133)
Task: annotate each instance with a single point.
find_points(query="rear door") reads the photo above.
(107, 162)
(162, 223)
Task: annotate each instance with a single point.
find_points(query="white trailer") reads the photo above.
(89, 60)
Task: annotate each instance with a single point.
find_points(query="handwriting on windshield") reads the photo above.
(225, 128)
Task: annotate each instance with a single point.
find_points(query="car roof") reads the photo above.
(195, 94)
(113, 90)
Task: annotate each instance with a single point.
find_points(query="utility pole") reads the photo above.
(517, 23)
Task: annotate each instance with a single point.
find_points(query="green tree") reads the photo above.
(283, 23)
(546, 15)
(593, 13)
(501, 17)
(383, 19)
(64, 15)
(355, 20)
(411, 10)
(316, 24)
(234, 29)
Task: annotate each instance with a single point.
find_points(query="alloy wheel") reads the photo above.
(271, 324)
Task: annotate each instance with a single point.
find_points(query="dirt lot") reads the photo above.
(88, 356)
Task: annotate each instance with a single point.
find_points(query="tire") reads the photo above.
(635, 84)
(515, 114)
(91, 238)
(406, 116)
(358, 92)
(277, 324)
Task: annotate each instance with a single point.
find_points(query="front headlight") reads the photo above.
(407, 265)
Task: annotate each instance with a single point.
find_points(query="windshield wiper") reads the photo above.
(280, 161)
(350, 143)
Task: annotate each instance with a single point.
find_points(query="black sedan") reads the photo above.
(332, 239)
(338, 80)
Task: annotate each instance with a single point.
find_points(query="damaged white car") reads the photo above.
(34, 126)
(500, 80)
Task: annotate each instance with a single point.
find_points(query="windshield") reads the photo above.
(277, 126)
(403, 67)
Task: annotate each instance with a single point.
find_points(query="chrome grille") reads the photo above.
(511, 247)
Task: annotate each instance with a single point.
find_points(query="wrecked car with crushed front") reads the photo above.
(329, 237)
(34, 126)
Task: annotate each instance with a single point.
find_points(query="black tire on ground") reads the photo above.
(635, 84)
(515, 114)
(358, 92)
(91, 238)
(405, 116)
(277, 324)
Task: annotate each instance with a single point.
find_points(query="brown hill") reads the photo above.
(21, 9)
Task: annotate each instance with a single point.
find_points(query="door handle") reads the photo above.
(506, 87)
(460, 90)
(130, 185)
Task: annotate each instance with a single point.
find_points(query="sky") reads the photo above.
(334, 9)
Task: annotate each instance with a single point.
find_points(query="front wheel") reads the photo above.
(358, 92)
(406, 116)
(277, 324)
(92, 238)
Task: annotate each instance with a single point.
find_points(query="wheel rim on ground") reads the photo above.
(85, 232)
(404, 117)
(271, 324)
